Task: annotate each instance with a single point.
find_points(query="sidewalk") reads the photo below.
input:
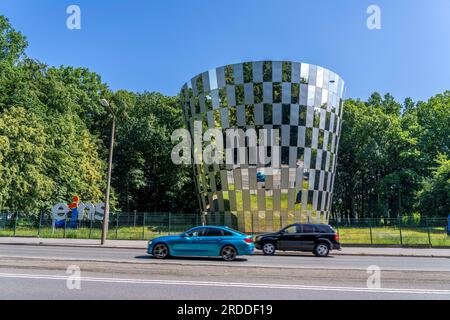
(140, 244)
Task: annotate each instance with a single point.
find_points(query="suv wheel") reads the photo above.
(268, 248)
(322, 249)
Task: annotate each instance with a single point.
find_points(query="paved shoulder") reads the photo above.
(287, 261)
(140, 244)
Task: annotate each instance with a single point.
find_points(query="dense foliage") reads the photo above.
(393, 158)
(54, 135)
(54, 138)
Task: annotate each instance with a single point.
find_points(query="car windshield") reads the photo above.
(290, 229)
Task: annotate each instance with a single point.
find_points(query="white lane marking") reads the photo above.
(230, 284)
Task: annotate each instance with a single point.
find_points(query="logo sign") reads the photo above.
(79, 211)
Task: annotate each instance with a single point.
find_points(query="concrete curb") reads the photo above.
(71, 245)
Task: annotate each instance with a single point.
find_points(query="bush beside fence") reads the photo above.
(429, 232)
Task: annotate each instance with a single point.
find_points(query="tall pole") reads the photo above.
(108, 181)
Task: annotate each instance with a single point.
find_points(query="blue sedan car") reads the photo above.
(207, 241)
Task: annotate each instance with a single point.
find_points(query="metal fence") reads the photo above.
(122, 226)
(429, 232)
(403, 231)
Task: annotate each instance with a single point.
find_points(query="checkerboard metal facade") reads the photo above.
(303, 102)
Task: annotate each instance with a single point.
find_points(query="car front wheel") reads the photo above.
(160, 251)
(268, 248)
(322, 250)
(228, 253)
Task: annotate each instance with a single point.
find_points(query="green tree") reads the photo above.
(143, 170)
(433, 130)
(74, 162)
(24, 184)
(434, 198)
(12, 42)
(376, 174)
(51, 147)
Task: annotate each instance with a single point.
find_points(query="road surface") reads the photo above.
(300, 260)
(39, 272)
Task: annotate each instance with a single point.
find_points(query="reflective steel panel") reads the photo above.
(284, 174)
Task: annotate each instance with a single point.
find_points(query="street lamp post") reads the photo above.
(106, 104)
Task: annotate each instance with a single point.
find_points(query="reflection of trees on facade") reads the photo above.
(270, 95)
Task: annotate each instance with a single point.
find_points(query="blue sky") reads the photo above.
(158, 45)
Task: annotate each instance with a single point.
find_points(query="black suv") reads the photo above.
(316, 238)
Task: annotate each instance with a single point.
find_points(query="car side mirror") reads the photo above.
(183, 235)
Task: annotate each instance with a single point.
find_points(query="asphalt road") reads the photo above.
(45, 284)
(300, 260)
(38, 272)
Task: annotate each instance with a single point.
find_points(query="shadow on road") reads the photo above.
(292, 254)
(190, 258)
(217, 259)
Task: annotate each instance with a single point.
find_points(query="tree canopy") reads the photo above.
(387, 156)
(54, 138)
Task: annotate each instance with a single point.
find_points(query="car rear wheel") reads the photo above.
(268, 248)
(322, 249)
(160, 251)
(228, 253)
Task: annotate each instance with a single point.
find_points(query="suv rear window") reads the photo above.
(308, 228)
(322, 228)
